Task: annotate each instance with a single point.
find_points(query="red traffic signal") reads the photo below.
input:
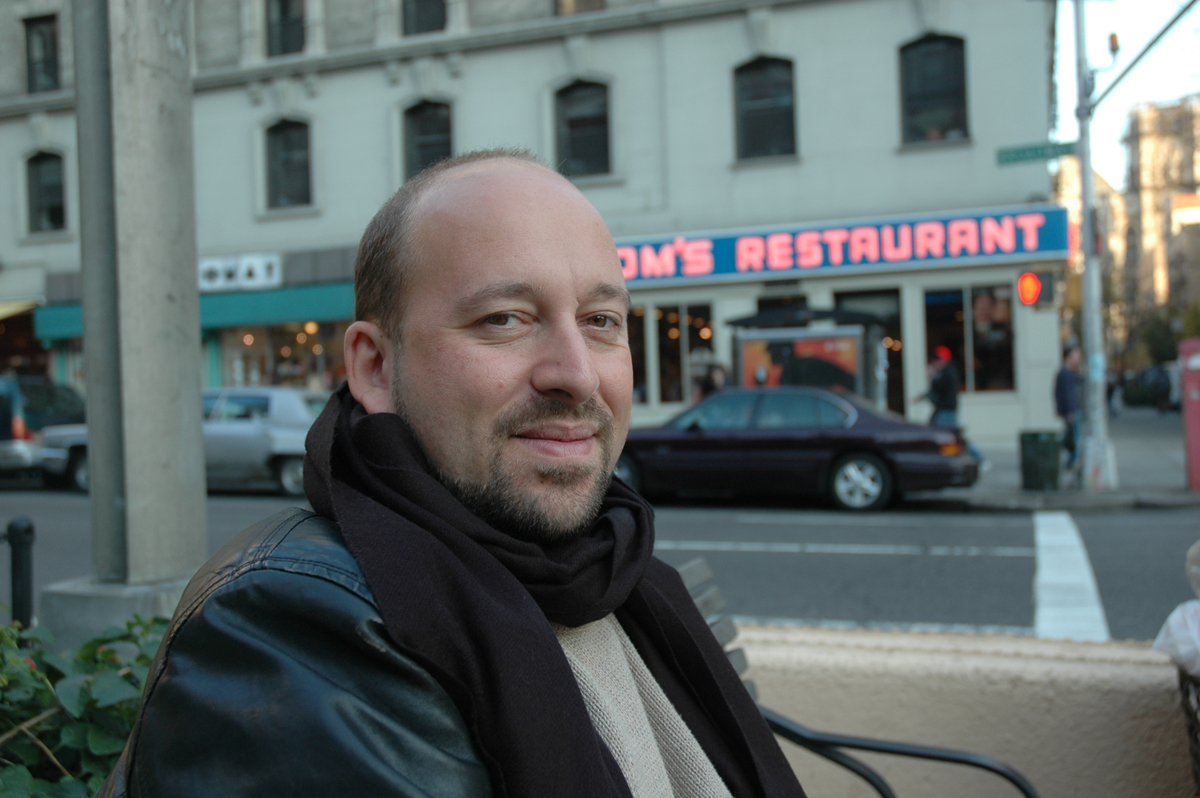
(1029, 288)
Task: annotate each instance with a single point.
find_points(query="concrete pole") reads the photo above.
(98, 244)
(166, 525)
(141, 316)
(1099, 460)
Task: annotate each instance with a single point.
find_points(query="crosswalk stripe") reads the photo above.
(1067, 602)
(752, 547)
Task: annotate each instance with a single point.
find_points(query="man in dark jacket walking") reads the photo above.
(1068, 401)
(474, 608)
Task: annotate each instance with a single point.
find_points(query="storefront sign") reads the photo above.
(241, 273)
(953, 239)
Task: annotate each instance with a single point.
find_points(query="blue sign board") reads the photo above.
(970, 238)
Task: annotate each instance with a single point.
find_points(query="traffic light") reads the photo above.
(1036, 288)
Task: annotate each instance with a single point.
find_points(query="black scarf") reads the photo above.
(471, 605)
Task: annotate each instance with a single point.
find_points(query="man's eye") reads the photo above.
(500, 319)
(602, 322)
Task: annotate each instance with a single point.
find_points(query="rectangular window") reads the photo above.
(670, 355)
(47, 210)
(933, 88)
(978, 333)
(41, 53)
(567, 8)
(423, 16)
(285, 27)
(637, 350)
(885, 306)
(700, 357)
(288, 176)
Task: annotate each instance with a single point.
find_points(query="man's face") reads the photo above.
(513, 363)
(1074, 359)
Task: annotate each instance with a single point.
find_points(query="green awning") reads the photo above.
(323, 302)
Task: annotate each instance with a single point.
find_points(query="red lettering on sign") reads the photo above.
(1000, 235)
(660, 264)
(892, 251)
(629, 262)
(697, 258)
(748, 253)
(1029, 224)
(836, 240)
(963, 235)
(779, 251)
(808, 250)
(930, 239)
(864, 243)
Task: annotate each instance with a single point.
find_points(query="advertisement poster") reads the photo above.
(827, 359)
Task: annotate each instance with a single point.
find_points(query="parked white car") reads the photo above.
(253, 437)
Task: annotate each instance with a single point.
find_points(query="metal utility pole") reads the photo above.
(1099, 460)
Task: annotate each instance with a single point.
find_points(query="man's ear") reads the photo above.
(368, 355)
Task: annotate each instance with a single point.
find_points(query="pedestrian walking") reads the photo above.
(943, 395)
(1068, 399)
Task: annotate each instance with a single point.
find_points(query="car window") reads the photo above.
(209, 403)
(244, 408)
(829, 414)
(46, 404)
(788, 411)
(726, 411)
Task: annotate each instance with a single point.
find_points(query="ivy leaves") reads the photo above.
(64, 718)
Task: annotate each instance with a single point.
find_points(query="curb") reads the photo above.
(1029, 501)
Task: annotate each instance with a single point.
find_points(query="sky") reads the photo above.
(1170, 71)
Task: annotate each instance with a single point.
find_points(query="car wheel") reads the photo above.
(627, 471)
(291, 476)
(860, 482)
(78, 475)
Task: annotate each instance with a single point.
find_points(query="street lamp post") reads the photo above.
(1099, 461)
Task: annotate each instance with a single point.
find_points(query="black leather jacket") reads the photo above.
(277, 678)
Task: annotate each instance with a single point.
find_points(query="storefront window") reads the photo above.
(944, 326)
(637, 350)
(670, 354)
(700, 358)
(992, 338)
(300, 355)
(979, 333)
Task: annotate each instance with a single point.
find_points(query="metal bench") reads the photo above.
(698, 578)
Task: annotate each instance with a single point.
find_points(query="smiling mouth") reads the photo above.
(559, 442)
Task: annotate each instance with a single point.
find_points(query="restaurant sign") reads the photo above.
(974, 238)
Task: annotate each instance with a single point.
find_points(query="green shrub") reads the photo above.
(64, 718)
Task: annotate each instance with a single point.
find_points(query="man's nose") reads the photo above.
(565, 369)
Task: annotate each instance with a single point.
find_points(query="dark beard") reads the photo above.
(500, 503)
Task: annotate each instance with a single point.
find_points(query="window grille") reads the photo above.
(289, 180)
(766, 117)
(426, 136)
(933, 89)
(47, 209)
(582, 124)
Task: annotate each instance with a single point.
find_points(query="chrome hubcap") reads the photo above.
(858, 483)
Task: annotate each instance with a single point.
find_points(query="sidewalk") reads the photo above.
(1151, 471)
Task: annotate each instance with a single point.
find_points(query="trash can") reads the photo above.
(1039, 460)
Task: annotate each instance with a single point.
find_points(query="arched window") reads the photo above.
(289, 180)
(766, 116)
(47, 210)
(933, 87)
(423, 16)
(582, 124)
(426, 136)
(285, 27)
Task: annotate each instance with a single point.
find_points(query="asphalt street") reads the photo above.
(913, 567)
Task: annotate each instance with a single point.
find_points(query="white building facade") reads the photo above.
(829, 132)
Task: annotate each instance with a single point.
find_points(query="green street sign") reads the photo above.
(1034, 152)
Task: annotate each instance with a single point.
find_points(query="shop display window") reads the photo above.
(636, 325)
(884, 305)
(670, 354)
(978, 332)
(700, 358)
(299, 355)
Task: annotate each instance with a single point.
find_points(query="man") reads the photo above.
(473, 610)
(1068, 400)
(943, 395)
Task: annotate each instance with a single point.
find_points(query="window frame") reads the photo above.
(559, 127)
(740, 143)
(407, 146)
(412, 16)
(55, 58)
(967, 293)
(267, 167)
(964, 99)
(276, 33)
(27, 162)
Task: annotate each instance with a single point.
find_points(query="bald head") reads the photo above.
(484, 196)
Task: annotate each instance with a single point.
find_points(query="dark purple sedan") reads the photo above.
(795, 441)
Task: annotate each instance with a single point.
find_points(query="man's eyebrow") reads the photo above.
(501, 291)
(610, 291)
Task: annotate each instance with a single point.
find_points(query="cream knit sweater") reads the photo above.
(654, 748)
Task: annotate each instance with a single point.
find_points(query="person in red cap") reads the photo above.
(943, 395)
